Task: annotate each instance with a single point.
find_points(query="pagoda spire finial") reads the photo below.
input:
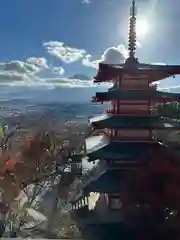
(132, 31)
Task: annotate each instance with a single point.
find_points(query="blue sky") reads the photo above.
(45, 41)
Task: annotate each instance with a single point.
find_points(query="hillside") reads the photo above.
(26, 111)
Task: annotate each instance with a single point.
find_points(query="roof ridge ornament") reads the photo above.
(132, 36)
(132, 30)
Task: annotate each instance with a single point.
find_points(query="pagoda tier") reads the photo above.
(103, 148)
(150, 94)
(132, 122)
(108, 72)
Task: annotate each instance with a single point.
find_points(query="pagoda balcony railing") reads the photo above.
(151, 88)
(95, 217)
(128, 112)
(99, 132)
(130, 139)
(115, 137)
(135, 88)
(152, 102)
(107, 133)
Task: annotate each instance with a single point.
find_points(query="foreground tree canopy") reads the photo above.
(40, 159)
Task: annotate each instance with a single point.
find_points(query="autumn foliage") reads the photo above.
(35, 161)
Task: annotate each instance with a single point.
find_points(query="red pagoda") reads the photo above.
(130, 126)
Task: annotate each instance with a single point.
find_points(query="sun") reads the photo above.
(142, 28)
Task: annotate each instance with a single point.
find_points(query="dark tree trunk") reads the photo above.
(2, 227)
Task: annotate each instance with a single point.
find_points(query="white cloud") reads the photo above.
(88, 62)
(12, 78)
(39, 62)
(66, 82)
(24, 73)
(63, 52)
(58, 70)
(115, 55)
(30, 66)
(21, 71)
(86, 1)
(62, 82)
(8, 77)
(160, 63)
(112, 55)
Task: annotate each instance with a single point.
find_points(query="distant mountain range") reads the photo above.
(58, 94)
(46, 95)
(80, 77)
(42, 95)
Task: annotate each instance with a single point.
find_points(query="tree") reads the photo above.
(42, 158)
(18, 211)
(167, 109)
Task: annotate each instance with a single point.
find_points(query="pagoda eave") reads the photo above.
(109, 72)
(163, 126)
(119, 158)
(100, 147)
(132, 122)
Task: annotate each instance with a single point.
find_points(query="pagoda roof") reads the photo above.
(108, 72)
(132, 122)
(101, 147)
(137, 95)
(106, 182)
